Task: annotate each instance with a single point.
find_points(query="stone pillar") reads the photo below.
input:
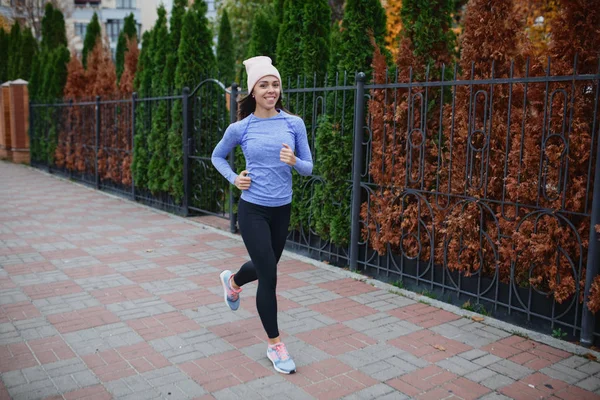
(19, 115)
(5, 130)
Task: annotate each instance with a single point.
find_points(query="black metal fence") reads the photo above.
(476, 191)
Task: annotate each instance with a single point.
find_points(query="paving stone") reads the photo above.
(140, 308)
(25, 258)
(103, 282)
(56, 246)
(309, 295)
(190, 346)
(75, 262)
(497, 381)
(510, 369)
(380, 391)
(102, 338)
(458, 366)
(590, 384)
(302, 319)
(157, 252)
(494, 396)
(215, 314)
(67, 303)
(473, 334)
(473, 354)
(382, 300)
(132, 266)
(316, 276)
(211, 255)
(169, 286)
(35, 328)
(135, 386)
(271, 387)
(480, 375)
(34, 390)
(487, 360)
(569, 375)
(8, 334)
(10, 296)
(193, 270)
(382, 326)
(225, 243)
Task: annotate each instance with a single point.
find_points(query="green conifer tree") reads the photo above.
(129, 32)
(352, 51)
(14, 53)
(363, 19)
(225, 56)
(195, 59)
(315, 38)
(54, 32)
(92, 34)
(157, 140)
(4, 43)
(289, 42)
(176, 24)
(143, 85)
(428, 23)
(29, 49)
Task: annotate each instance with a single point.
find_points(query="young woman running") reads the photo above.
(269, 137)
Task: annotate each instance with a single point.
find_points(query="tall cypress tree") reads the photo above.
(14, 53)
(352, 51)
(362, 18)
(427, 24)
(195, 58)
(261, 39)
(315, 38)
(129, 32)
(92, 34)
(289, 42)
(29, 49)
(54, 32)
(176, 23)
(143, 85)
(4, 43)
(225, 55)
(160, 123)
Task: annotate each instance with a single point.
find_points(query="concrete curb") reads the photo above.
(489, 321)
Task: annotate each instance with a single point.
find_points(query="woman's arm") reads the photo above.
(230, 139)
(304, 163)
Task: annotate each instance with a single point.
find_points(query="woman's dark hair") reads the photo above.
(247, 105)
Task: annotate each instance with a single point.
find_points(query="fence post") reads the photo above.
(133, 100)
(186, 150)
(359, 117)
(97, 140)
(232, 119)
(588, 319)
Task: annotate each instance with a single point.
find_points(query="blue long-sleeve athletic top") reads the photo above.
(261, 140)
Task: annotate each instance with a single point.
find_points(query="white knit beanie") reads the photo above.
(257, 68)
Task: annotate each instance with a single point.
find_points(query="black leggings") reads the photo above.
(264, 230)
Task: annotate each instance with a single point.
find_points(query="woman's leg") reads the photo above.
(256, 233)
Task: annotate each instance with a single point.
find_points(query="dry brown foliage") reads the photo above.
(538, 157)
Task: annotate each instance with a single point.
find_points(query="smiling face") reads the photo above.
(266, 92)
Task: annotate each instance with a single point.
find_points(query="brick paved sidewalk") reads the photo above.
(103, 298)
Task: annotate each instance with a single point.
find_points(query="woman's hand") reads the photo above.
(242, 181)
(287, 155)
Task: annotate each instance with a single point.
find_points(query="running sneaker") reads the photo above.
(279, 356)
(231, 295)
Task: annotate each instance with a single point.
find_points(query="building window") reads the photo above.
(80, 29)
(125, 3)
(113, 29)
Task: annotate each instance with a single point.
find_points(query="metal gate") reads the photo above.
(208, 111)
